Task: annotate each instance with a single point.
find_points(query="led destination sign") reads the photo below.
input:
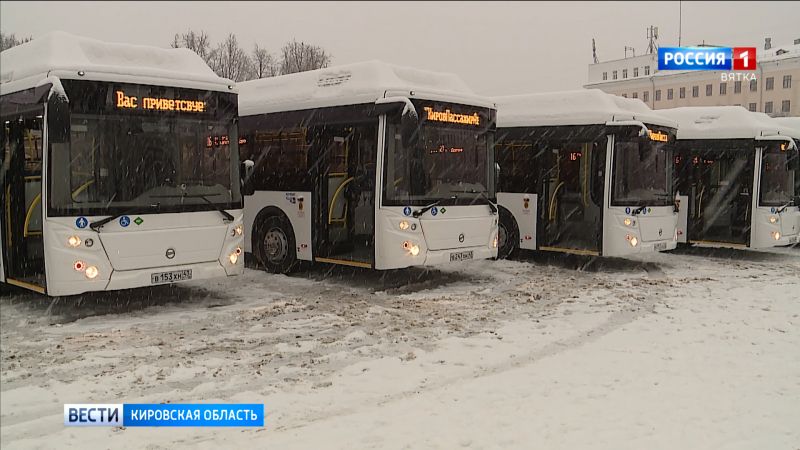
(124, 101)
(450, 117)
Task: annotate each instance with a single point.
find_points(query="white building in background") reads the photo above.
(774, 88)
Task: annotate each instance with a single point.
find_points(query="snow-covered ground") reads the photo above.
(694, 349)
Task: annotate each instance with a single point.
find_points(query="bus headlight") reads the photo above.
(776, 235)
(237, 230)
(633, 240)
(74, 241)
(494, 242)
(404, 225)
(629, 222)
(773, 219)
(91, 272)
(234, 257)
(411, 248)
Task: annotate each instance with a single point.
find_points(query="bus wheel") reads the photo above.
(507, 235)
(276, 240)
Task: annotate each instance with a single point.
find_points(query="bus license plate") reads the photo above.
(659, 246)
(170, 277)
(460, 256)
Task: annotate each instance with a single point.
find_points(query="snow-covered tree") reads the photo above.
(197, 42)
(230, 61)
(264, 64)
(300, 57)
(8, 40)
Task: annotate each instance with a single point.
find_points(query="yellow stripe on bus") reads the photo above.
(574, 251)
(345, 262)
(25, 285)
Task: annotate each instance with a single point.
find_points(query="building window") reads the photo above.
(723, 88)
(647, 70)
(624, 73)
(605, 76)
(768, 107)
(709, 90)
(752, 107)
(625, 95)
(646, 96)
(695, 91)
(670, 93)
(614, 75)
(658, 95)
(682, 93)
(770, 83)
(635, 95)
(635, 72)
(737, 87)
(786, 106)
(787, 81)
(753, 85)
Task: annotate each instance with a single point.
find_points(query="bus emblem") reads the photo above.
(660, 231)
(461, 237)
(170, 253)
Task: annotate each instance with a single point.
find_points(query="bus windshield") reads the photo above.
(779, 177)
(450, 162)
(116, 160)
(642, 172)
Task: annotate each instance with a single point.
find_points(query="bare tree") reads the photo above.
(264, 65)
(8, 40)
(300, 57)
(229, 60)
(196, 42)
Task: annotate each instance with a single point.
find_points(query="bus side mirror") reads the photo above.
(409, 122)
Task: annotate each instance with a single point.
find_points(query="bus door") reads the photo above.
(722, 196)
(23, 245)
(346, 219)
(572, 213)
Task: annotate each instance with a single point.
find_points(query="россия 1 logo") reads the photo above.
(707, 58)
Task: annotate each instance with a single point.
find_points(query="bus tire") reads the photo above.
(507, 235)
(275, 245)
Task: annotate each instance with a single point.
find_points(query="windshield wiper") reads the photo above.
(225, 214)
(638, 210)
(485, 195)
(425, 209)
(96, 225)
(782, 208)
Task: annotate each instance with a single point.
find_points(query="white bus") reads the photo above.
(368, 165)
(120, 167)
(584, 172)
(737, 178)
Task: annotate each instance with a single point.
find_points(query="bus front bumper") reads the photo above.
(436, 257)
(156, 276)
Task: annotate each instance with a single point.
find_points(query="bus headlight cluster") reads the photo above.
(90, 272)
(411, 248)
(773, 219)
(633, 240)
(629, 222)
(404, 225)
(238, 230)
(776, 235)
(494, 241)
(74, 241)
(234, 256)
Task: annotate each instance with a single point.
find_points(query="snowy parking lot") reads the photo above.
(694, 349)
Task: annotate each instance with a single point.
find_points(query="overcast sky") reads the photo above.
(498, 48)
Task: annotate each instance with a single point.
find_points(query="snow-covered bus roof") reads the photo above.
(63, 55)
(580, 107)
(352, 84)
(722, 122)
(792, 123)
